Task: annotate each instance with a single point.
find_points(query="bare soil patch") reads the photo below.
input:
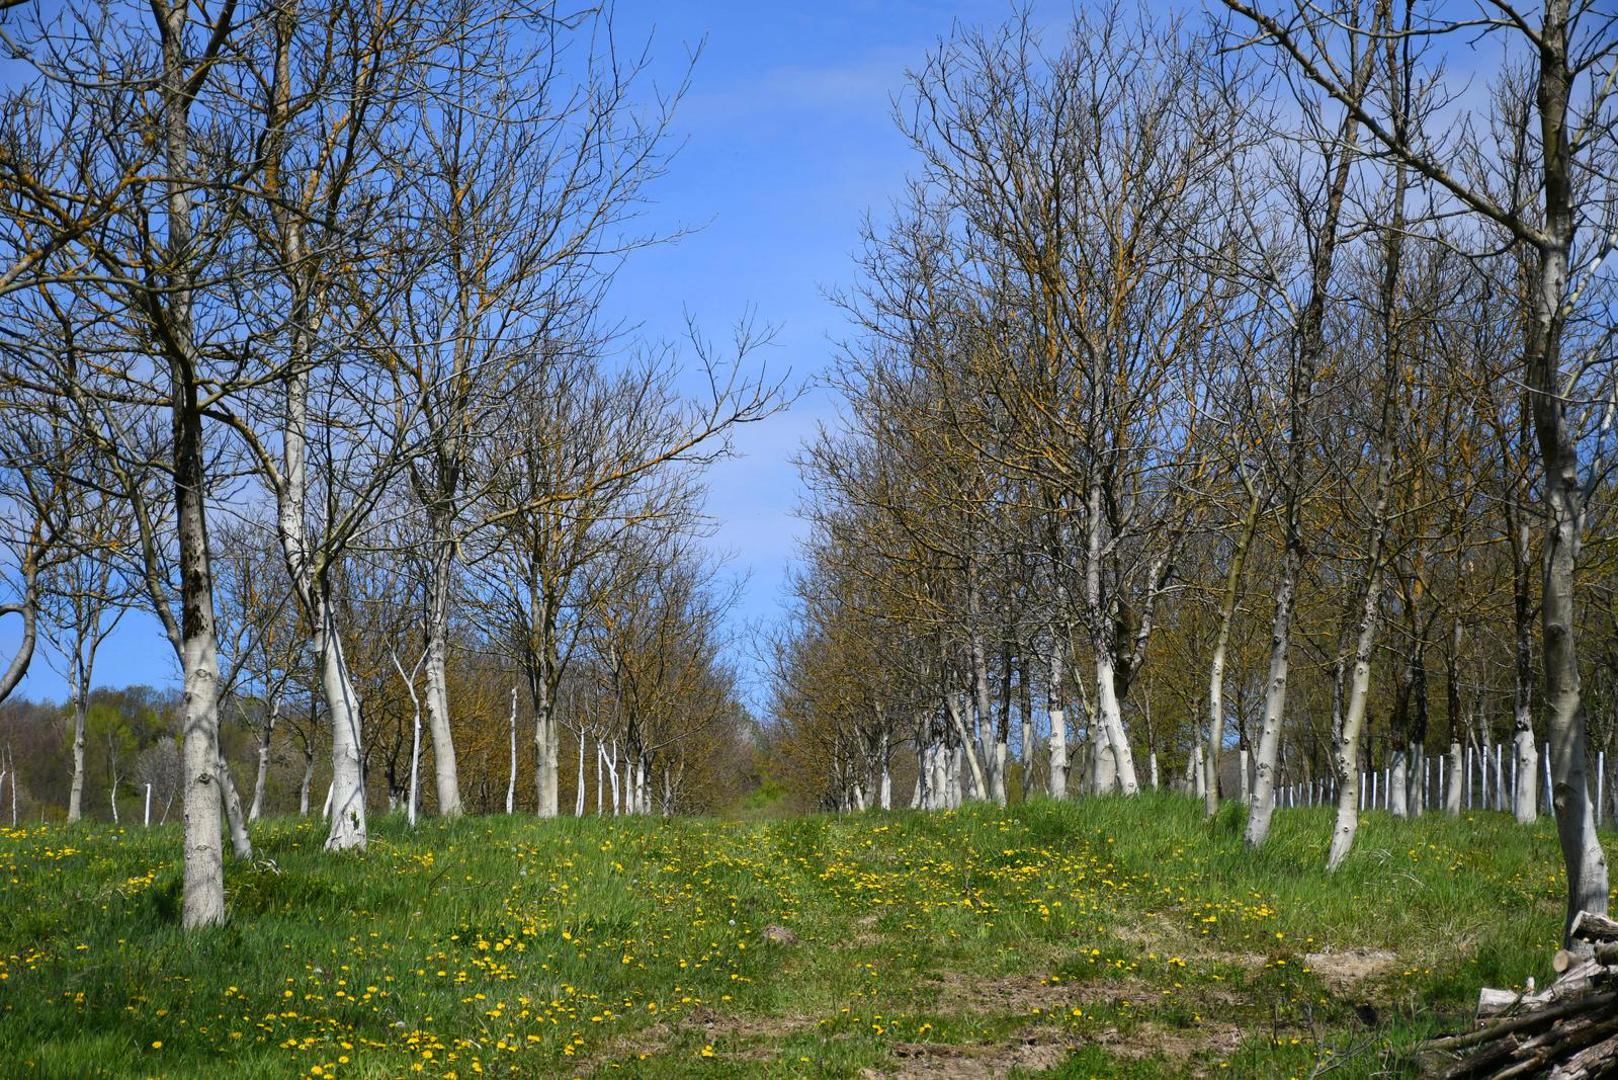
(1348, 967)
(1035, 1051)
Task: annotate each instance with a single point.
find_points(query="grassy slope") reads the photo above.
(1106, 937)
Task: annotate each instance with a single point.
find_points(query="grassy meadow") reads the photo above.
(1106, 937)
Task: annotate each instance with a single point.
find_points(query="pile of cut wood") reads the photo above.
(1568, 1030)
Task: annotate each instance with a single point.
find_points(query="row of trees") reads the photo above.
(302, 351)
(1222, 389)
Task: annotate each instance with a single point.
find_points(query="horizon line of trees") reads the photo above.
(1220, 388)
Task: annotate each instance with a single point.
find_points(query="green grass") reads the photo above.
(1107, 937)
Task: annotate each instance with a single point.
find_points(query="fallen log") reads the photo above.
(1567, 1030)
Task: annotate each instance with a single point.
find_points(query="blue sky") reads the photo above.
(787, 141)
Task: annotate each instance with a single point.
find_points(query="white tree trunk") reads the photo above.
(511, 774)
(578, 801)
(980, 785)
(1216, 666)
(75, 795)
(886, 791)
(446, 778)
(547, 759)
(1526, 759)
(1399, 784)
(347, 798)
(241, 845)
(1262, 804)
(263, 774)
(1119, 760)
(308, 781)
(1108, 713)
(1103, 766)
(997, 771)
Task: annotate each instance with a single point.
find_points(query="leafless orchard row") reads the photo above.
(1224, 387)
(303, 355)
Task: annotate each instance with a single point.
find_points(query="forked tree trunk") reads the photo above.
(347, 798)
(1108, 715)
(310, 582)
(954, 706)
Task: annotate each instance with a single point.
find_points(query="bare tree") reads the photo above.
(85, 598)
(1565, 158)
